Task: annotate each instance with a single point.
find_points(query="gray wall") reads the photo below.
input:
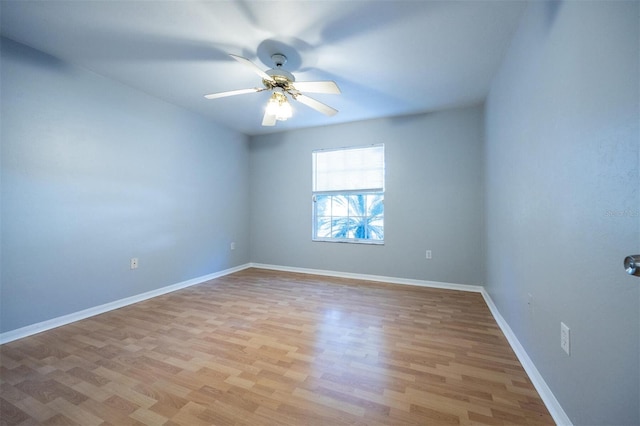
(94, 173)
(562, 201)
(433, 198)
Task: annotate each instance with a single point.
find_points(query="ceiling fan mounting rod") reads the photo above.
(279, 77)
(279, 59)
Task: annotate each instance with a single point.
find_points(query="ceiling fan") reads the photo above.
(283, 83)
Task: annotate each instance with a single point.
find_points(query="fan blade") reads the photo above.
(253, 66)
(317, 87)
(268, 119)
(232, 93)
(317, 105)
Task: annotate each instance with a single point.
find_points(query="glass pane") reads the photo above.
(340, 205)
(358, 205)
(358, 227)
(323, 205)
(375, 204)
(323, 227)
(376, 228)
(340, 227)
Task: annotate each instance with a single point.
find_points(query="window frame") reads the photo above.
(346, 193)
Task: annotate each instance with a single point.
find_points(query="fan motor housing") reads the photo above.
(282, 78)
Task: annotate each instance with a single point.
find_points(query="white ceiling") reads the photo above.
(388, 57)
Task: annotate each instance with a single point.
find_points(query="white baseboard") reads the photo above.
(29, 330)
(549, 399)
(556, 411)
(377, 278)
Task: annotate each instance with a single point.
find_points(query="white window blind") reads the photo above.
(349, 169)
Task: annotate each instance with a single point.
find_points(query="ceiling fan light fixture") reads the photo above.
(284, 112)
(279, 107)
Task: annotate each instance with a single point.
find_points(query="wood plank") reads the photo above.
(275, 348)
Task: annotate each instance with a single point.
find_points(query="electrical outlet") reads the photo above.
(134, 263)
(233, 246)
(428, 255)
(565, 338)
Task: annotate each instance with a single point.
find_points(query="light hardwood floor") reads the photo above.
(271, 348)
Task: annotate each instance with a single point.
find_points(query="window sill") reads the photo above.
(349, 241)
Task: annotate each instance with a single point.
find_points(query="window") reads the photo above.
(348, 194)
